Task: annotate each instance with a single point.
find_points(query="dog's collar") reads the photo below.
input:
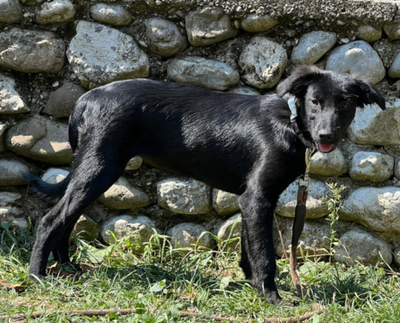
(293, 121)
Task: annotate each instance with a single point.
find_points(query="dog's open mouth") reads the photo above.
(325, 148)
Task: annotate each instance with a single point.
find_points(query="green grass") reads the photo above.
(161, 283)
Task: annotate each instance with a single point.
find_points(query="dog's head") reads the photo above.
(326, 102)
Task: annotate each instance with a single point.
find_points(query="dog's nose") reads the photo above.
(326, 136)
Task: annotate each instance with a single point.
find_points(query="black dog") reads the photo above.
(238, 143)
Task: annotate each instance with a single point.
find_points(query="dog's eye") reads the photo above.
(315, 101)
(345, 106)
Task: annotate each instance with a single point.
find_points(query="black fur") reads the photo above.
(238, 143)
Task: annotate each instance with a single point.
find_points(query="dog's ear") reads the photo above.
(368, 94)
(297, 83)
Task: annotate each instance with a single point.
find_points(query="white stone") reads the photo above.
(375, 208)
(316, 206)
(10, 100)
(55, 12)
(357, 57)
(55, 175)
(312, 47)
(188, 235)
(110, 14)
(202, 72)
(262, 62)
(372, 166)
(328, 164)
(100, 55)
(367, 127)
(364, 248)
(255, 23)
(184, 196)
(224, 202)
(122, 195)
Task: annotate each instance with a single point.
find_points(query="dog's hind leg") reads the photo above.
(94, 172)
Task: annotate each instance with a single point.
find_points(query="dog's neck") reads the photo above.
(294, 123)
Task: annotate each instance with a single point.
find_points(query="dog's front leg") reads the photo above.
(258, 255)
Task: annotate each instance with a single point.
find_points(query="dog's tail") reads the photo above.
(51, 191)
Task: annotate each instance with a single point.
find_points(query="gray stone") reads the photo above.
(40, 139)
(255, 23)
(10, 100)
(316, 206)
(357, 57)
(9, 198)
(313, 240)
(312, 47)
(10, 11)
(364, 248)
(394, 70)
(392, 29)
(328, 164)
(165, 38)
(225, 203)
(202, 72)
(367, 128)
(87, 229)
(375, 208)
(3, 128)
(208, 26)
(55, 11)
(31, 51)
(139, 229)
(396, 256)
(62, 101)
(122, 195)
(100, 55)
(112, 14)
(397, 169)
(9, 210)
(371, 166)
(11, 172)
(262, 62)
(244, 90)
(54, 175)
(134, 163)
(184, 196)
(230, 229)
(369, 33)
(189, 235)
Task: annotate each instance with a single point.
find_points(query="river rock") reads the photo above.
(362, 247)
(316, 206)
(122, 195)
(10, 211)
(202, 72)
(165, 38)
(375, 208)
(62, 101)
(10, 11)
(392, 29)
(31, 51)
(312, 47)
(111, 14)
(87, 229)
(230, 229)
(139, 229)
(3, 128)
(189, 235)
(367, 128)
(208, 26)
(10, 100)
(328, 164)
(11, 172)
(40, 139)
(369, 33)
(262, 62)
(357, 57)
(224, 203)
(255, 23)
(184, 196)
(396, 256)
(54, 175)
(134, 163)
(394, 70)
(100, 55)
(55, 12)
(372, 166)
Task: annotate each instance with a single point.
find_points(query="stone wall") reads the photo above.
(53, 52)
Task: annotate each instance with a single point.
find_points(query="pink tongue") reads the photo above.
(325, 148)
